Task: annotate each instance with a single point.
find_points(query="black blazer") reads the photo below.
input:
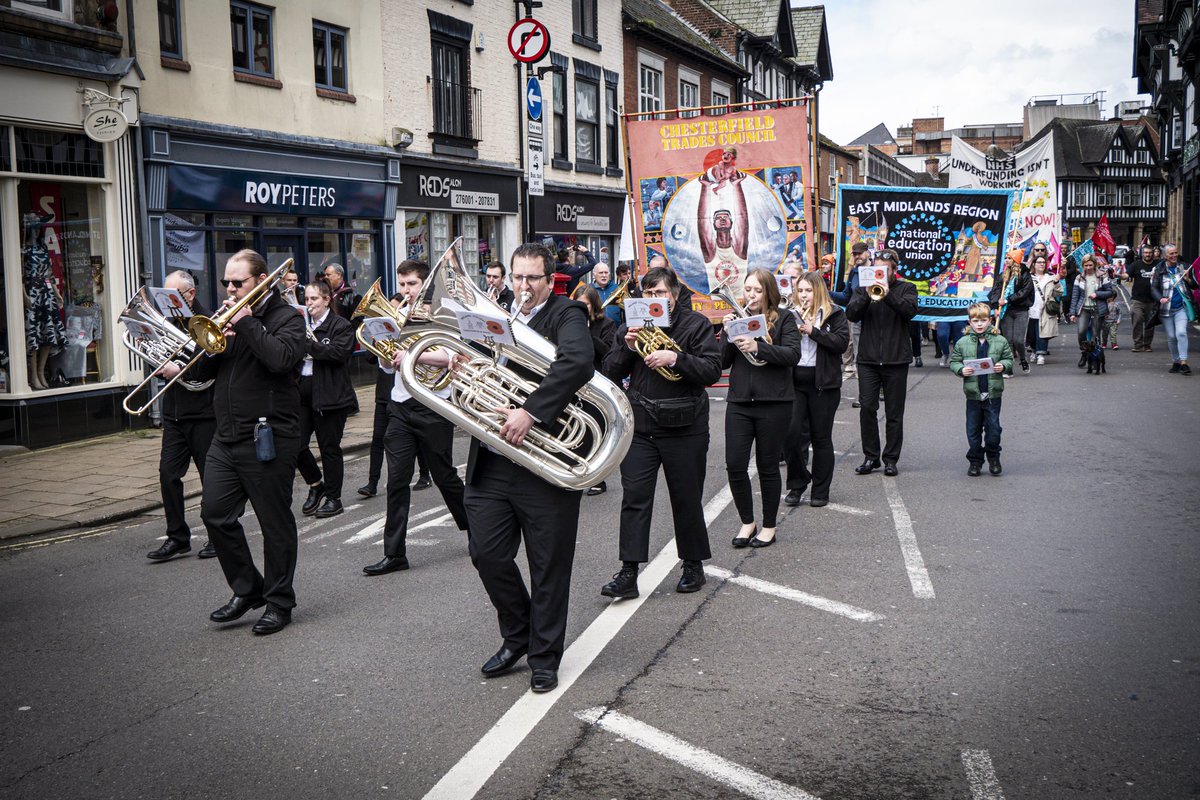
(832, 338)
(699, 364)
(505, 299)
(772, 382)
(331, 353)
(602, 330)
(180, 405)
(564, 323)
(885, 338)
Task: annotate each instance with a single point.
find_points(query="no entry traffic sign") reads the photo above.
(528, 41)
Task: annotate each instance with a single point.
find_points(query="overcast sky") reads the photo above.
(978, 62)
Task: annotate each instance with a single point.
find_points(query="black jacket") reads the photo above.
(564, 323)
(603, 330)
(331, 353)
(885, 338)
(505, 299)
(771, 382)
(1022, 294)
(180, 405)
(384, 382)
(699, 364)
(831, 337)
(258, 374)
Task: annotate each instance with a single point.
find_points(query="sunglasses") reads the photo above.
(231, 282)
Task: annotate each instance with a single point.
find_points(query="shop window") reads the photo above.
(227, 242)
(170, 40)
(612, 132)
(252, 44)
(361, 259)
(324, 248)
(439, 233)
(329, 56)
(57, 153)
(489, 242)
(322, 222)
(587, 122)
(280, 222)
(560, 116)
(416, 235)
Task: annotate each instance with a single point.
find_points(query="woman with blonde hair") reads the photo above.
(817, 380)
(759, 405)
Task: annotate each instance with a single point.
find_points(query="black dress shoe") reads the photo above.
(890, 470)
(236, 608)
(330, 508)
(544, 680)
(757, 542)
(385, 565)
(692, 578)
(744, 541)
(975, 470)
(208, 551)
(994, 466)
(503, 661)
(370, 490)
(867, 467)
(793, 497)
(168, 549)
(423, 482)
(856, 404)
(272, 621)
(599, 488)
(623, 586)
(315, 493)
(918, 362)
(817, 502)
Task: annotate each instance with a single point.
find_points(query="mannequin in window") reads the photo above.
(44, 331)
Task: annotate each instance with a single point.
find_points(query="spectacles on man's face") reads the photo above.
(656, 293)
(233, 283)
(527, 278)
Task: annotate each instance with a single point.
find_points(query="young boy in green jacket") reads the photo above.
(982, 357)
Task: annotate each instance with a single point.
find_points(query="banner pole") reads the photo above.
(815, 195)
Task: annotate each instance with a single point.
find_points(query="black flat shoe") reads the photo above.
(423, 482)
(867, 467)
(544, 680)
(817, 502)
(385, 565)
(272, 621)
(599, 488)
(236, 608)
(330, 508)
(208, 551)
(744, 541)
(975, 470)
(793, 497)
(315, 493)
(370, 490)
(757, 542)
(168, 550)
(503, 661)
(890, 470)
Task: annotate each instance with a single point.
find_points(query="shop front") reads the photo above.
(438, 204)
(563, 218)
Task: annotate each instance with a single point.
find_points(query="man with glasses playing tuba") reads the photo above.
(257, 377)
(670, 430)
(507, 503)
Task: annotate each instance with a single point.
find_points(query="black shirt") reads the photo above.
(1141, 273)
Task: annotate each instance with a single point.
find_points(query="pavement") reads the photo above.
(108, 479)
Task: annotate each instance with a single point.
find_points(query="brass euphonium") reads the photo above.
(157, 339)
(376, 304)
(584, 444)
(205, 336)
(724, 292)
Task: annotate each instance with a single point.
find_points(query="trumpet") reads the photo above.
(376, 304)
(205, 336)
(876, 291)
(724, 292)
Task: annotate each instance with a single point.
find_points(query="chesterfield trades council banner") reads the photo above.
(720, 195)
(948, 240)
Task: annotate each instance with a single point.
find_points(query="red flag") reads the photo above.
(1102, 238)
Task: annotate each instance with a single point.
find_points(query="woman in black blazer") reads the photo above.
(817, 378)
(759, 406)
(603, 332)
(326, 399)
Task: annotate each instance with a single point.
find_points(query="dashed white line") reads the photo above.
(858, 512)
(709, 764)
(795, 595)
(922, 587)
(376, 526)
(981, 775)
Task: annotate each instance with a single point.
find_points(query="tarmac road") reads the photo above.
(928, 636)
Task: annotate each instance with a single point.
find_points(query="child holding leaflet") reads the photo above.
(982, 357)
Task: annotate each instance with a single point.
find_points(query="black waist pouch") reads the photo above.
(674, 412)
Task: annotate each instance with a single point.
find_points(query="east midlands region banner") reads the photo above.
(948, 240)
(718, 196)
(1034, 214)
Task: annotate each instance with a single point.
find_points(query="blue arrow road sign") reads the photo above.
(533, 98)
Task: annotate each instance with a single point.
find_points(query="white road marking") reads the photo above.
(376, 526)
(440, 522)
(917, 574)
(467, 777)
(316, 523)
(333, 531)
(858, 512)
(787, 593)
(981, 776)
(709, 764)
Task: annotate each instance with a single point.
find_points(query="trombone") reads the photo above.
(205, 336)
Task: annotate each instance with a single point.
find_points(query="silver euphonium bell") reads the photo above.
(591, 435)
(157, 339)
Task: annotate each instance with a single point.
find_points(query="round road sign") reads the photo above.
(528, 41)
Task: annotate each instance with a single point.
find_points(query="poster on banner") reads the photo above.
(1034, 215)
(948, 240)
(718, 196)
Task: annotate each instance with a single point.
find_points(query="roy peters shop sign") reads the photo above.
(230, 190)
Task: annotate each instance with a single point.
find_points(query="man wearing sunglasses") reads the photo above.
(256, 376)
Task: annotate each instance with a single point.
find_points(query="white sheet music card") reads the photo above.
(784, 282)
(137, 330)
(480, 326)
(169, 301)
(979, 364)
(870, 276)
(641, 312)
(755, 327)
(375, 329)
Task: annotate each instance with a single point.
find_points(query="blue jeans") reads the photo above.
(943, 336)
(1175, 324)
(983, 429)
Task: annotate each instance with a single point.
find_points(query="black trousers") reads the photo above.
(506, 504)
(329, 427)
(763, 425)
(413, 429)
(893, 379)
(682, 459)
(378, 429)
(813, 411)
(233, 475)
(183, 442)
(914, 335)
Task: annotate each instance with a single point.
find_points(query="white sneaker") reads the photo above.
(1041, 360)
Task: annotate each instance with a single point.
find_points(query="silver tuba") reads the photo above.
(593, 432)
(725, 292)
(156, 340)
